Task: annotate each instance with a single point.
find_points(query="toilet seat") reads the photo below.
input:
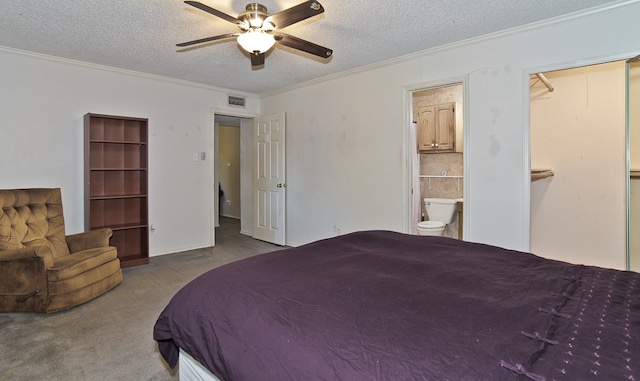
(431, 225)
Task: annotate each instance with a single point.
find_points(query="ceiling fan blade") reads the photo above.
(214, 12)
(208, 39)
(295, 14)
(257, 59)
(303, 45)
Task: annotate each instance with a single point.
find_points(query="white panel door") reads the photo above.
(269, 179)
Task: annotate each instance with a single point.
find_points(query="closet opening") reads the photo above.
(580, 177)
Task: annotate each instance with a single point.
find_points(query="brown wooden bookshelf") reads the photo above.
(116, 183)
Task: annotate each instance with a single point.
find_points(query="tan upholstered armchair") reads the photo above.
(43, 270)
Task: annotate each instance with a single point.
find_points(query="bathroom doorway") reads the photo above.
(578, 162)
(437, 151)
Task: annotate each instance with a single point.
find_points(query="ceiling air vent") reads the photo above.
(236, 101)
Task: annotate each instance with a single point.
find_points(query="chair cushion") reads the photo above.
(85, 280)
(32, 217)
(97, 282)
(77, 263)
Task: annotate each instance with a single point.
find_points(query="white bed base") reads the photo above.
(191, 370)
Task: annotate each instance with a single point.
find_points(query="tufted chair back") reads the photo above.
(32, 217)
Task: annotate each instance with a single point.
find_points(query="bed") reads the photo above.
(381, 305)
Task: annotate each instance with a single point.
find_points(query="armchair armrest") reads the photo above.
(23, 272)
(27, 253)
(89, 240)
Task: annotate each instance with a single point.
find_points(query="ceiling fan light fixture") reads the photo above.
(255, 22)
(268, 26)
(256, 40)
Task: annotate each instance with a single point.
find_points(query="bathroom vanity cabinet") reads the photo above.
(439, 128)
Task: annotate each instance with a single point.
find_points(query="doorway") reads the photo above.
(577, 158)
(436, 152)
(233, 173)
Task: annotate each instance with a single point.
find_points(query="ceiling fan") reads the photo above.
(260, 31)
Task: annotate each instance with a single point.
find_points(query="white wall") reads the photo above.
(346, 135)
(346, 162)
(42, 103)
(579, 215)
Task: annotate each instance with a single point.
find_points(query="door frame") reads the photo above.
(628, 153)
(409, 147)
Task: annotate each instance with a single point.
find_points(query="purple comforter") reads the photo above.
(379, 305)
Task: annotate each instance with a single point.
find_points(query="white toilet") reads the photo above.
(440, 212)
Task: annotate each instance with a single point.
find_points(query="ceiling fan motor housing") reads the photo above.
(254, 15)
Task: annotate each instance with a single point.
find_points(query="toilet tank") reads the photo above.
(441, 209)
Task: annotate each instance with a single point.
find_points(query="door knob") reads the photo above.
(281, 185)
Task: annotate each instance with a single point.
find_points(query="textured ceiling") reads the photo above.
(141, 35)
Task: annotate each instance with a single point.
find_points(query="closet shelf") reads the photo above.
(539, 174)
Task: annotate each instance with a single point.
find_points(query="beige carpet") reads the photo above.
(110, 338)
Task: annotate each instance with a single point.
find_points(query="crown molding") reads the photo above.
(124, 71)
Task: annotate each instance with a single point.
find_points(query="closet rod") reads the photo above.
(546, 82)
